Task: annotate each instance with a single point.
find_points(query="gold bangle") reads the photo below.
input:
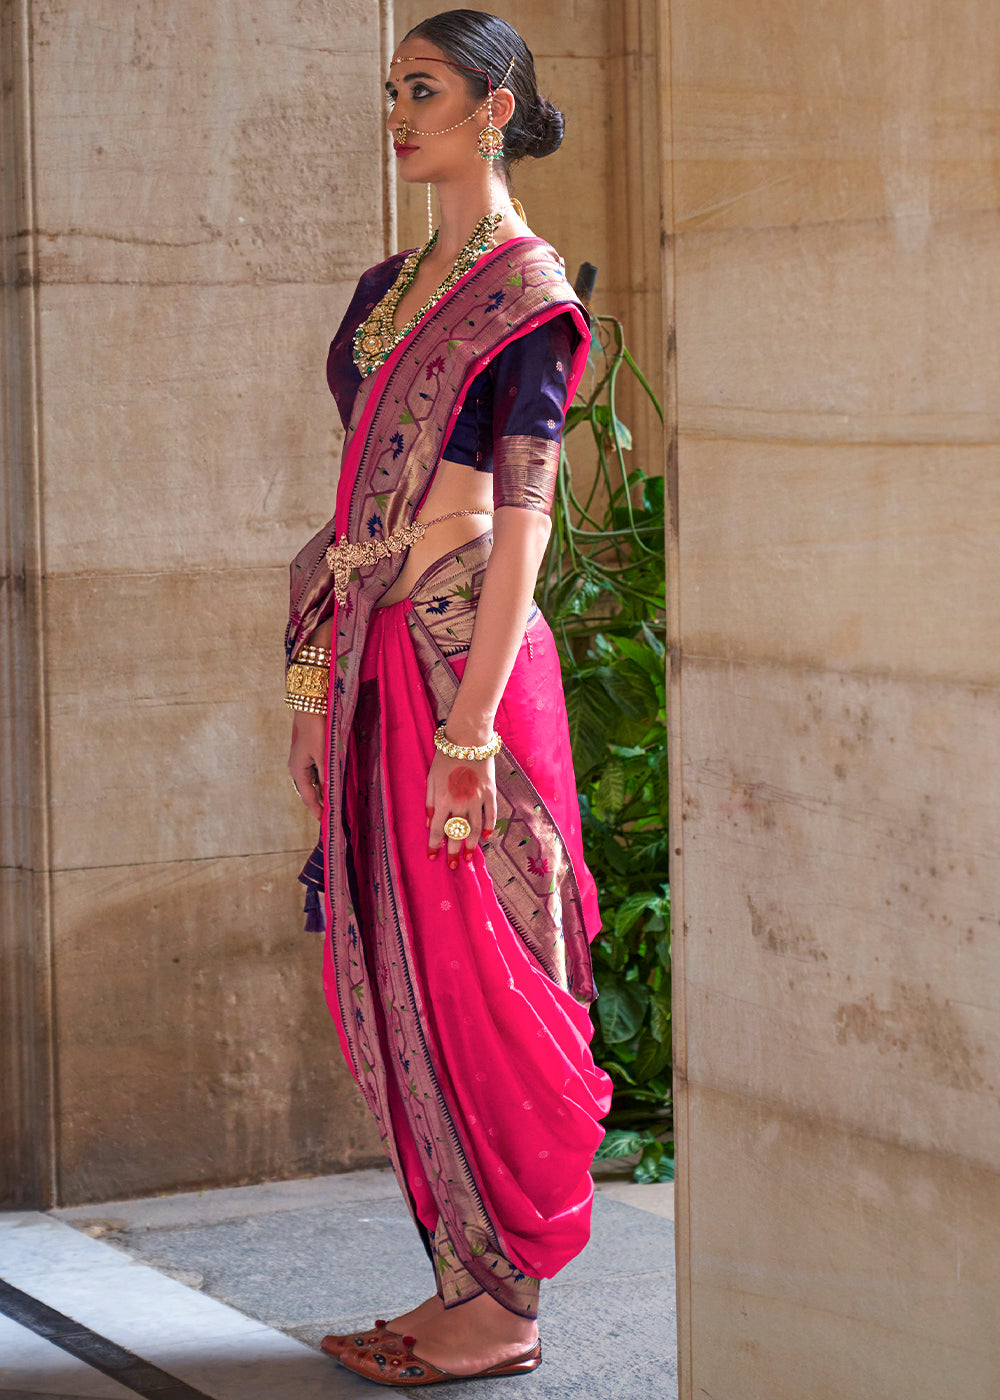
(468, 751)
(309, 680)
(308, 705)
(307, 686)
(314, 656)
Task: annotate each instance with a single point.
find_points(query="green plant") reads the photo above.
(602, 590)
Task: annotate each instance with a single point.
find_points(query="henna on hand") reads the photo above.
(463, 784)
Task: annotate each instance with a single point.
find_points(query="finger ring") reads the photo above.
(294, 785)
(457, 829)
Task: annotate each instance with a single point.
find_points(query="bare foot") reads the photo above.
(421, 1316)
(472, 1336)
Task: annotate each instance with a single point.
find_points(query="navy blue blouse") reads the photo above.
(519, 398)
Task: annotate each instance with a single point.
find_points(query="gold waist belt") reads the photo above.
(346, 556)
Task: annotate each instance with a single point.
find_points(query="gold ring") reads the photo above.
(457, 829)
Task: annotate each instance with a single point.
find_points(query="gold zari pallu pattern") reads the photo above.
(348, 555)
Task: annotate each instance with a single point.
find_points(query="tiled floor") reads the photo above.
(227, 1293)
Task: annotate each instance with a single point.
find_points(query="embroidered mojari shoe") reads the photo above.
(336, 1343)
(401, 1367)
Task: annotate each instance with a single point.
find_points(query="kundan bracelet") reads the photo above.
(307, 681)
(315, 656)
(469, 751)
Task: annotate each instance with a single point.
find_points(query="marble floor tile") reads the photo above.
(196, 1338)
(30, 1365)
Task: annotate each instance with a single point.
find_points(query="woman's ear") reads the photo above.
(503, 107)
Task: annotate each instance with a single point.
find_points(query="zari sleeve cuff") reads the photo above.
(524, 472)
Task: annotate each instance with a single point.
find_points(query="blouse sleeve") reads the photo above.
(529, 408)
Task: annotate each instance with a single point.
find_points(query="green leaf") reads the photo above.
(630, 689)
(655, 1164)
(621, 1008)
(643, 655)
(651, 1059)
(653, 641)
(622, 1142)
(632, 910)
(610, 796)
(591, 726)
(661, 786)
(659, 1019)
(652, 492)
(617, 954)
(603, 416)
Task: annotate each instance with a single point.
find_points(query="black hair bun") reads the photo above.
(536, 132)
(550, 128)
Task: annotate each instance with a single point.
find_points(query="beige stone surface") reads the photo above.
(841, 334)
(838, 554)
(167, 722)
(186, 144)
(829, 1264)
(194, 1036)
(837, 929)
(832, 176)
(190, 428)
(839, 114)
(199, 188)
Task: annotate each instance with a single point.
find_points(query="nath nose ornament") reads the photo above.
(400, 134)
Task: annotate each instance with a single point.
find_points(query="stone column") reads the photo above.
(189, 194)
(836, 658)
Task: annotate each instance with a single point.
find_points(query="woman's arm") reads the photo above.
(308, 751)
(461, 787)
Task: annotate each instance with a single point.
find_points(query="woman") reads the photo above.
(459, 908)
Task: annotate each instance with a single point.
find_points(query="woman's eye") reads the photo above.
(420, 91)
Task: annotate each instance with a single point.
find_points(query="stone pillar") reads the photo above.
(834, 697)
(189, 193)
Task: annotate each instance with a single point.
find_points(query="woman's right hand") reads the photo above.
(306, 760)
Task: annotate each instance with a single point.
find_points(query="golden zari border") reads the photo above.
(525, 470)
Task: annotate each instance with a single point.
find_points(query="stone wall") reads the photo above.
(189, 192)
(834, 697)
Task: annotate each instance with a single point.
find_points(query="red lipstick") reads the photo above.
(405, 150)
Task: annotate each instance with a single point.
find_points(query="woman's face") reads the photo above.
(429, 95)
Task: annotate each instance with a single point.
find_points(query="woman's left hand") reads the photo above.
(458, 787)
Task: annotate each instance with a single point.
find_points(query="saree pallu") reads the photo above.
(460, 997)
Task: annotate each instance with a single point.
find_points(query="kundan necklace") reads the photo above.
(376, 338)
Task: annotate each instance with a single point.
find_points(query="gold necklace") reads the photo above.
(377, 337)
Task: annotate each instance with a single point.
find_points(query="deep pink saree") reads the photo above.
(460, 996)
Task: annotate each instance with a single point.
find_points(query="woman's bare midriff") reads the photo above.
(455, 487)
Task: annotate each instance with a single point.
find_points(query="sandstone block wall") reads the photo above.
(834, 578)
(189, 194)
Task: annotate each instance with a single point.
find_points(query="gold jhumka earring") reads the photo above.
(490, 143)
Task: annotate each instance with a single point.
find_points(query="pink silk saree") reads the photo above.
(460, 997)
